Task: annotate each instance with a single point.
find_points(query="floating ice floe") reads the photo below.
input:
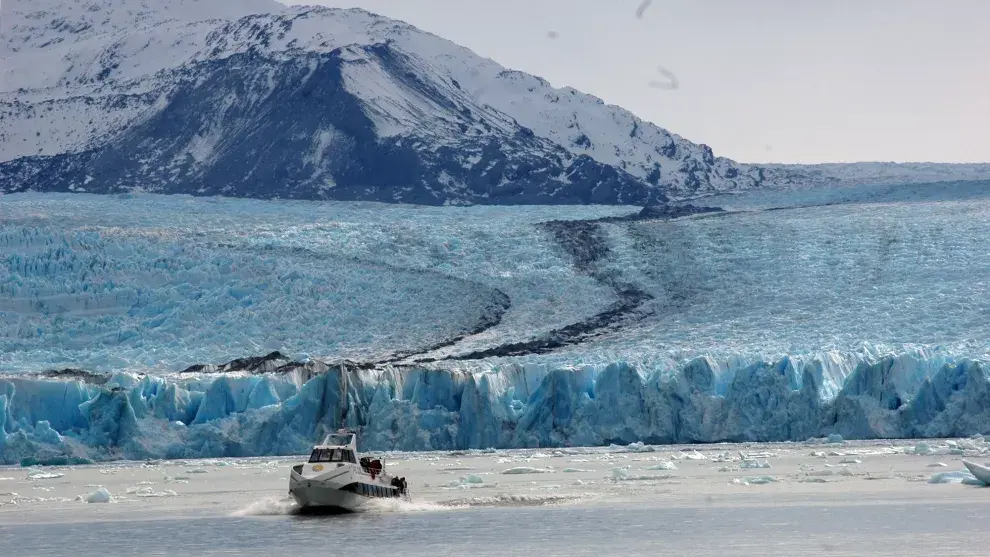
(44, 475)
(99, 496)
(526, 470)
(623, 475)
(755, 480)
(150, 492)
(829, 472)
(663, 466)
(960, 476)
(693, 455)
(754, 464)
(752, 456)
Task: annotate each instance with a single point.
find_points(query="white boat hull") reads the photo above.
(335, 488)
(320, 496)
(982, 473)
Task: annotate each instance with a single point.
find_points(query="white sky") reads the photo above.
(760, 80)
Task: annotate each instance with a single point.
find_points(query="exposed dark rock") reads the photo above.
(272, 145)
(669, 211)
(79, 375)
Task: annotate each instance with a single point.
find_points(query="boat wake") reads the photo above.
(506, 500)
(286, 506)
(269, 506)
(400, 506)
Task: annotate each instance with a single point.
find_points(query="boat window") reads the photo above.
(332, 455)
(320, 455)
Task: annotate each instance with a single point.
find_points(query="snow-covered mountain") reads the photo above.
(252, 98)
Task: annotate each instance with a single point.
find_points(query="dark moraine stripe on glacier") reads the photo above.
(586, 244)
(264, 142)
(491, 312)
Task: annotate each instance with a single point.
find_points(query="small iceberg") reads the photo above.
(663, 466)
(526, 470)
(99, 496)
(755, 480)
(44, 475)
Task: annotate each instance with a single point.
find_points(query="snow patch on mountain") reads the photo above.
(367, 93)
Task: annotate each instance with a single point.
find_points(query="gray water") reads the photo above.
(901, 529)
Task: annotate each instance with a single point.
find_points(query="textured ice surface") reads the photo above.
(852, 321)
(163, 283)
(409, 409)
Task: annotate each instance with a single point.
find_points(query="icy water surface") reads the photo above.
(901, 529)
(865, 498)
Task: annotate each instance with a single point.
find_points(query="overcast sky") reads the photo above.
(759, 80)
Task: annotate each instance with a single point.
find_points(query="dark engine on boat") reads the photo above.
(374, 468)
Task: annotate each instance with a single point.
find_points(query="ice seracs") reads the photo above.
(336, 479)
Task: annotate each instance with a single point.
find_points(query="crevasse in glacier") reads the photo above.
(924, 394)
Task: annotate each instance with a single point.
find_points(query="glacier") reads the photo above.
(155, 284)
(570, 325)
(130, 416)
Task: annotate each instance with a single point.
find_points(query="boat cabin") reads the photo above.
(332, 455)
(336, 447)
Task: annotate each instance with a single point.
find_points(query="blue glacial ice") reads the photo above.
(156, 283)
(851, 321)
(137, 417)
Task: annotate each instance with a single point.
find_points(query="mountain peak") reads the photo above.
(251, 98)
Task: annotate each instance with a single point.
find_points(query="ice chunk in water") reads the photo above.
(526, 470)
(99, 496)
(663, 466)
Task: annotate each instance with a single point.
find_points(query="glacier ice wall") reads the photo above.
(130, 416)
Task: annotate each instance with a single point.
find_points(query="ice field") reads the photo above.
(156, 283)
(864, 316)
(899, 498)
(159, 283)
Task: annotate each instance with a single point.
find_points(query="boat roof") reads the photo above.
(341, 440)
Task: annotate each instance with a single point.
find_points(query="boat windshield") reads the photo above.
(338, 439)
(332, 455)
